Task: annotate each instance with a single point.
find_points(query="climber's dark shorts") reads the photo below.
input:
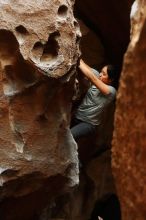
(82, 129)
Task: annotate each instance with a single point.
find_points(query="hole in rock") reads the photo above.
(62, 11)
(38, 45)
(8, 44)
(16, 72)
(38, 49)
(51, 48)
(9, 172)
(21, 30)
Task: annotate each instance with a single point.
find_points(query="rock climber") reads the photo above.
(88, 116)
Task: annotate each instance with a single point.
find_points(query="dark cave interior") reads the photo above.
(110, 21)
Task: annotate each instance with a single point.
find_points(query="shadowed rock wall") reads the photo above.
(38, 55)
(110, 21)
(129, 144)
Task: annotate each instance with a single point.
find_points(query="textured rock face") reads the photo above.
(38, 55)
(129, 150)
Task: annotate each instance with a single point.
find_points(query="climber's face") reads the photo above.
(103, 76)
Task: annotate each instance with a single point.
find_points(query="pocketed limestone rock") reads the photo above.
(39, 48)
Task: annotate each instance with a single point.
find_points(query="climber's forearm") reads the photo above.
(87, 71)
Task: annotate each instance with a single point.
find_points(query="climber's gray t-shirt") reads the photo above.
(94, 104)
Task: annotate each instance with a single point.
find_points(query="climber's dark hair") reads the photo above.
(113, 74)
(111, 70)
